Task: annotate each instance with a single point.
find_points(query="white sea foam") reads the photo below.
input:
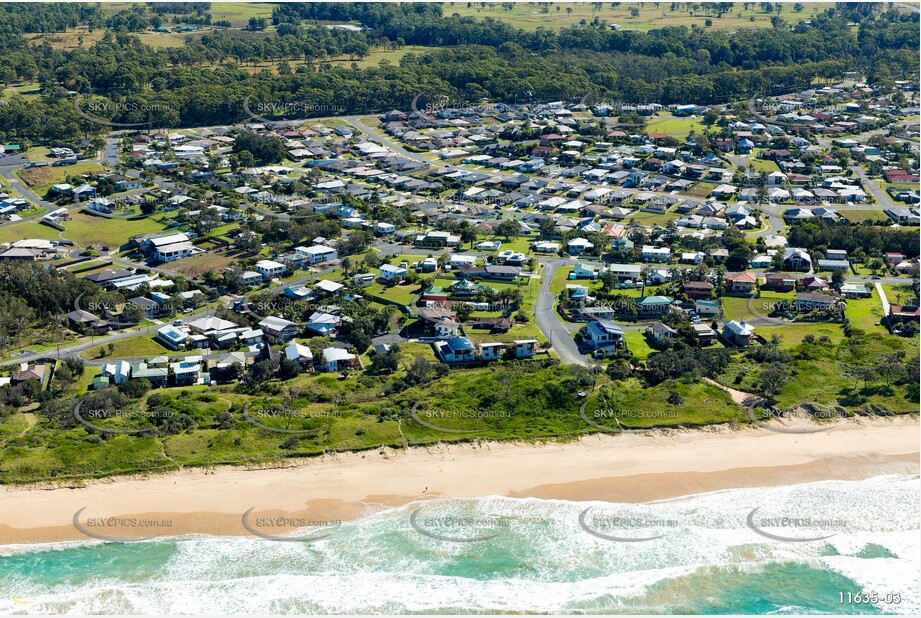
(542, 561)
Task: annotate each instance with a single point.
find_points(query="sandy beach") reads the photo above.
(617, 468)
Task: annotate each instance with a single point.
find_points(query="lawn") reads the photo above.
(637, 343)
(196, 266)
(792, 334)
(531, 16)
(740, 308)
(86, 229)
(40, 179)
(701, 189)
(859, 216)
(898, 293)
(73, 39)
(865, 313)
(143, 345)
(651, 218)
(238, 13)
(402, 294)
(29, 90)
(29, 229)
(762, 165)
(664, 122)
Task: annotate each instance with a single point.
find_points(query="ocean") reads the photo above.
(842, 547)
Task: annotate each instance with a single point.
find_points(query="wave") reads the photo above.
(501, 555)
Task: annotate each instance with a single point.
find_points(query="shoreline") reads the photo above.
(342, 487)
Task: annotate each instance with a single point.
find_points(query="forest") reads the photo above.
(205, 81)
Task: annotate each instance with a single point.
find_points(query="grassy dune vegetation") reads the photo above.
(509, 401)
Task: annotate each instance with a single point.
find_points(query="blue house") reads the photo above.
(745, 145)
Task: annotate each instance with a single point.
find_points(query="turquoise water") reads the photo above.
(538, 559)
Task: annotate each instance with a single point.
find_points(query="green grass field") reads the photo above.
(865, 313)
(530, 16)
(30, 90)
(664, 122)
(40, 179)
(144, 345)
(859, 216)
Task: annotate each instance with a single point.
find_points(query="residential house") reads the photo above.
(741, 283)
(323, 323)
(440, 322)
(856, 290)
(653, 306)
(780, 282)
(491, 351)
(186, 372)
(270, 269)
(455, 350)
(171, 337)
(524, 348)
(705, 334)
(119, 372)
(338, 359)
(602, 334)
(707, 308)
(393, 274)
(578, 245)
(738, 333)
(661, 332)
(278, 329)
(317, 254)
(655, 254)
(299, 353)
(698, 289)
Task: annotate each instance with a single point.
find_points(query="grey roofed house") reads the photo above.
(108, 275)
(834, 265)
(79, 316)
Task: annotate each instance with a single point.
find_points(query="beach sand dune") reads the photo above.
(340, 487)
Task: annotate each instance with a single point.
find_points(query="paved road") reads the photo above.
(881, 196)
(380, 136)
(549, 322)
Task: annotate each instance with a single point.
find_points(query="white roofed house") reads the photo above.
(655, 254)
(278, 329)
(525, 348)
(299, 353)
(119, 371)
(738, 333)
(578, 245)
(270, 269)
(317, 254)
(338, 359)
(491, 351)
(393, 273)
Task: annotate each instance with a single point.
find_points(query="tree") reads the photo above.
(634, 12)
(507, 229)
(386, 362)
(260, 372)
(773, 379)
(288, 369)
(777, 261)
(619, 370)
(135, 388)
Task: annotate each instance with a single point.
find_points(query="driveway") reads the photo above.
(549, 322)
